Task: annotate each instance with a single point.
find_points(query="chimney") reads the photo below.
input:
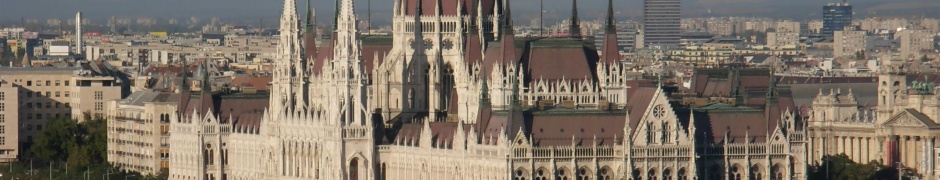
(79, 45)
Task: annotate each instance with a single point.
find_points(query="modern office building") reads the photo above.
(835, 17)
(661, 23)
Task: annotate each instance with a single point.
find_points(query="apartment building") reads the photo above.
(914, 42)
(783, 39)
(138, 131)
(848, 43)
(47, 92)
(9, 133)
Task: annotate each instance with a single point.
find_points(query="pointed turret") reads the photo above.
(610, 51)
(507, 48)
(473, 46)
(205, 98)
(574, 27)
(184, 88)
(310, 38)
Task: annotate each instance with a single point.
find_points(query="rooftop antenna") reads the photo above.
(369, 16)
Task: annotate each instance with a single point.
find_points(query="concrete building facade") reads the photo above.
(139, 131)
(48, 92)
(9, 121)
(848, 43)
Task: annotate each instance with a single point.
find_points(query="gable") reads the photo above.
(909, 118)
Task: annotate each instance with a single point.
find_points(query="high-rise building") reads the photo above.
(835, 17)
(661, 22)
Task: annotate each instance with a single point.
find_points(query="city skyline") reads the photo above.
(13, 11)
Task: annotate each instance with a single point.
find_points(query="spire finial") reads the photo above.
(507, 19)
(610, 17)
(310, 20)
(574, 27)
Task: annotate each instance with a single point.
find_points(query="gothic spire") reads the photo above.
(772, 88)
(335, 14)
(574, 26)
(507, 19)
(310, 19)
(611, 51)
(610, 25)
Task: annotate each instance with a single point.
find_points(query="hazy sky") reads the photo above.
(12, 10)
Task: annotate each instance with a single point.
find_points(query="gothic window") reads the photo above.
(651, 175)
(666, 130)
(563, 174)
(736, 172)
(776, 172)
(605, 174)
(667, 174)
(447, 87)
(756, 172)
(448, 44)
(520, 174)
(354, 169)
(681, 175)
(541, 174)
(659, 111)
(636, 174)
(207, 158)
(584, 174)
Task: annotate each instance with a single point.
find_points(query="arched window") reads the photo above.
(447, 87)
(563, 174)
(520, 174)
(651, 174)
(736, 172)
(757, 173)
(384, 174)
(541, 174)
(681, 175)
(605, 174)
(354, 169)
(667, 174)
(776, 172)
(636, 174)
(584, 173)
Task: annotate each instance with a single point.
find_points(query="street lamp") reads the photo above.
(106, 174)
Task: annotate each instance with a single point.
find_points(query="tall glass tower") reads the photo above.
(835, 17)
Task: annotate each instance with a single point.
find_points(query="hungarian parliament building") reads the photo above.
(452, 93)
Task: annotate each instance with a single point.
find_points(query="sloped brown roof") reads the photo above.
(368, 55)
(637, 103)
(571, 63)
(448, 7)
(582, 128)
(259, 83)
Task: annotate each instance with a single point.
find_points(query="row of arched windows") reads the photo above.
(582, 173)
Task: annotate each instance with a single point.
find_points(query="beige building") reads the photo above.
(9, 121)
(48, 92)
(441, 110)
(848, 43)
(139, 131)
(914, 43)
(788, 27)
(903, 127)
(783, 39)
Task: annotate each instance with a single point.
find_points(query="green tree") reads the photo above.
(841, 167)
